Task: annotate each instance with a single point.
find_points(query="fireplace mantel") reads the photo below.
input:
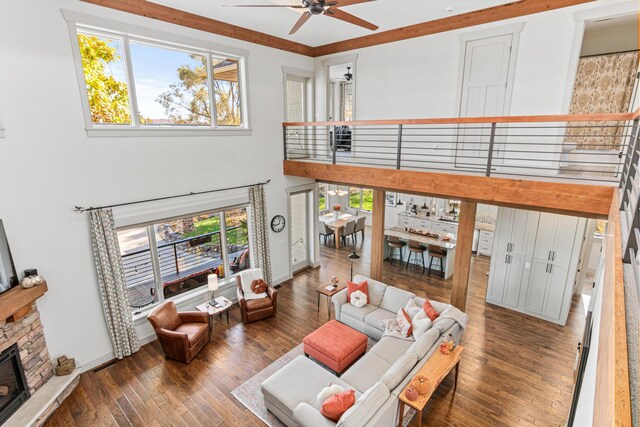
(16, 302)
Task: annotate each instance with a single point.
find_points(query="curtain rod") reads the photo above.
(609, 53)
(92, 208)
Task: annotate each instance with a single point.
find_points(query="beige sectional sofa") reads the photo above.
(378, 377)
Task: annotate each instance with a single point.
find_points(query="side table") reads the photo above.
(224, 307)
(322, 290)
(435, 369)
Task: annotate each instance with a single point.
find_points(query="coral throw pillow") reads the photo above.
(258, 286)
(404, 323)
(362, 286)
(336, 405)
(429, 310)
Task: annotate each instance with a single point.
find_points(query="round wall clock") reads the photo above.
(277, 223)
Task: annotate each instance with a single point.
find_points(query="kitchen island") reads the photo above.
(405, 236)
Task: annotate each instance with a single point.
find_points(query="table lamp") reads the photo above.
(353, 256)
(212, 283)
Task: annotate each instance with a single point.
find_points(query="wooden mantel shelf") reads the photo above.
(16, 302)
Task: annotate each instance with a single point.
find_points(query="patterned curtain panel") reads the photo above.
(604, 84)
(115, 301)
(260, 230)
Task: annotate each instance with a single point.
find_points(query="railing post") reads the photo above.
(175, 256)
(284, 141)
(334, 140)
(490, 153)
(399, 146)
(629, 160)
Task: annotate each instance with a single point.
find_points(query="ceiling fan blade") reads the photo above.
(296, 6)
(347, 17)
(342, 3)
(304, 18)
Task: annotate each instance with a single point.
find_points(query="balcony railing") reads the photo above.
(590, 148)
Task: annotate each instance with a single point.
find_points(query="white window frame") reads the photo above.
(360, 192)
(99, 26)
(225, 282)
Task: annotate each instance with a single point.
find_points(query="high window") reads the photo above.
(136, 83)
(322, 197)
(361, 199)
(166, 259)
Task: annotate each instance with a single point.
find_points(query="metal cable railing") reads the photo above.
(579, 148)
(630, 202)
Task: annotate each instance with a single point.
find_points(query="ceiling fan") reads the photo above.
(321, 7)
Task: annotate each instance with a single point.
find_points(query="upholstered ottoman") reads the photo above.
(335, 345)
(298, 381)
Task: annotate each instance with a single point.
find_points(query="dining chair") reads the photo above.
(348, 231)
(360, 223)
(326, 232)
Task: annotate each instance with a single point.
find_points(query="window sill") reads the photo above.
(160, 132)
(187, 298)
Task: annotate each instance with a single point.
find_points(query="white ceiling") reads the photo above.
(320, 30)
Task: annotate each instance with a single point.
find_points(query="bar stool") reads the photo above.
(439, 253)
(416, 248)
(395, 243)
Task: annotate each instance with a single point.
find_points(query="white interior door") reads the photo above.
(484, 93)
(296, 111)
(299, 229)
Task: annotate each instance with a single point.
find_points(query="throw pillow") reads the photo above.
(412, 308)
(362, 286)
(258, 286)
(404, 323)
(429, 310)
(358, 299)
(327, 392)
(336, 405)
(420, 324)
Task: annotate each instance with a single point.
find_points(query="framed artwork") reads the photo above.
(391, 199)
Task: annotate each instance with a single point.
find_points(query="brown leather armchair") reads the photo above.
(256, 309)
(182, 335)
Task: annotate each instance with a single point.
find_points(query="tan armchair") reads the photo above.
(181, 335)
(255, 309)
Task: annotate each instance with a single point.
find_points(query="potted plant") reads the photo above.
(336, 210)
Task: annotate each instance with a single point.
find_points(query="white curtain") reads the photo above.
(115, 301)
(260, 231)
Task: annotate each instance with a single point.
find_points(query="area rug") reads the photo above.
(250, 396)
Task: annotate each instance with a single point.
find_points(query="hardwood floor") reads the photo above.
(516, 370)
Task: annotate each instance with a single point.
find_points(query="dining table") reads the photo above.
(336, 223)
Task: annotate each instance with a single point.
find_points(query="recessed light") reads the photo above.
(449, 9)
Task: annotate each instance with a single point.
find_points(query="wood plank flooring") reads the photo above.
(516, 370)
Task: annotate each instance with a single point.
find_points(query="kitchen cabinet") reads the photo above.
(534, 262)
(485, 243)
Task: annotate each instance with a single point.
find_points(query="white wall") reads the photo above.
(615, 39)
(48, 164)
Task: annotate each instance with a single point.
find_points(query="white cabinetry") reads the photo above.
(535, 257)
(485, 242)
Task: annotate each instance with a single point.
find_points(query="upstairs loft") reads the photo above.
(561, 163)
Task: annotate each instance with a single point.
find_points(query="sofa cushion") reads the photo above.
(365, 407)
(399, 370)
(376, 289)
(338, 404)
(439, 306)
(366, 371)
(394, 299)
(375, 317)
(422, 345)
(194, 331)
(358, 313)
(285, 390)
(420, 324)
(390, 348)
(358, 286)
(430, 310)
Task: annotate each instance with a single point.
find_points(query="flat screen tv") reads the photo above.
(8, 277)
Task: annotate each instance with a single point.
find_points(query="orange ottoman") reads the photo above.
(335, 345)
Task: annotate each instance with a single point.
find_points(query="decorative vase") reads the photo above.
(335, 214)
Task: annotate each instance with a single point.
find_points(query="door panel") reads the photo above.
(504, 225)
(554, 298)
(514, 280)
(484, 90)
(498, 277)
(565, 235)
(545, 239)
(299, 231)
(537, 287)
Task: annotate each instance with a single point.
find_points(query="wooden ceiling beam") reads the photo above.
(590, 201)
(191, 20)
(470, 19)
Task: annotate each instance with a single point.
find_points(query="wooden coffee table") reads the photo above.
(322, 290)
(435, 369)
(207, 307)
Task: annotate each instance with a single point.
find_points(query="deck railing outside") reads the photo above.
(580, 148)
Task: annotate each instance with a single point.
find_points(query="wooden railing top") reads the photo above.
(608, 117)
